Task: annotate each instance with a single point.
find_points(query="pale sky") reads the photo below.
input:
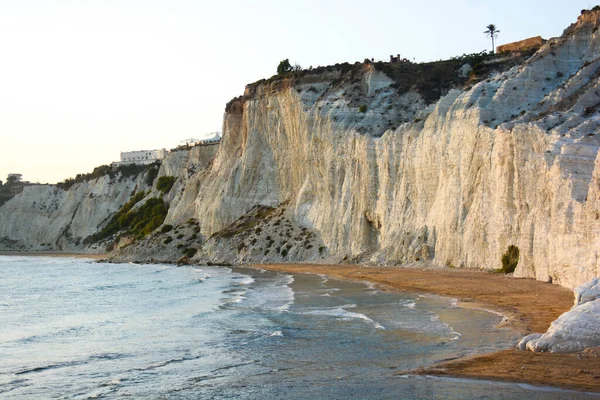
(81, 81)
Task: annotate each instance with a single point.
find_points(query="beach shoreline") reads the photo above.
(527, 305)
(52, 254)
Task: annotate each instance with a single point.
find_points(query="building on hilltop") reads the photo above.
(14, 178)
(213, 140)
(141, 157)
(192, 142)
(522, 45)
(13, 186)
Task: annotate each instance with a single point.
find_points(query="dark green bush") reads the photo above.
(166, 228)
(165, 183)
(190, 252)
(510, 259)
(138, 222)
(284, 67)
(168, 240)
(151, 173)
(119, 217)
(362, 109)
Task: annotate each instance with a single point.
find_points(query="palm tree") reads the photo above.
(492, 32)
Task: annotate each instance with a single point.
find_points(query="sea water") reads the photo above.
(74, 328)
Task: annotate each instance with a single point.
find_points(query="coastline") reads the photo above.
(52, 254)
(528, 305)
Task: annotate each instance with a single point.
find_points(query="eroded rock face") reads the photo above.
(512, 161)
(575, 330)
(375, 172)
(45, 217)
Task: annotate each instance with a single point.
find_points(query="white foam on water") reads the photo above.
(276, 296)
(247, 280)
(342, 314)
(277, 333)
(408, 304)
(370, 285)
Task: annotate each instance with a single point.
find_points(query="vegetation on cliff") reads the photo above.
(137, 222)
(124, 171)
(165, 183)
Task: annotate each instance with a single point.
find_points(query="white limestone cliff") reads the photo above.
(46, 217)
(348, 164)
(575, 330)
(510, 161)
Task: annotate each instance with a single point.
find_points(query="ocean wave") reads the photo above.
(340, 313)
(113, 287)
(370, 285)
(277, 333)
(246, 280)
(160, 364)
(46, 367)
(107, 356)
(57, 332)
(408, 304)
(277, 295)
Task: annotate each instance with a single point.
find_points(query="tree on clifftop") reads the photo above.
(284, 67)
(492, 31)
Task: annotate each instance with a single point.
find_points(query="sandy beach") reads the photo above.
(52, 254)
(529, 305)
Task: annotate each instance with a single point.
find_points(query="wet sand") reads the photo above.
(529, 305)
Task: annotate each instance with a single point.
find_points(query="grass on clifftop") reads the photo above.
(124, 170)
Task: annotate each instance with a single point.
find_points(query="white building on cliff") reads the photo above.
(141, 156)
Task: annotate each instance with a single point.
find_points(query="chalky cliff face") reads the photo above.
(357, 164)
(45, 217)
(511, 161)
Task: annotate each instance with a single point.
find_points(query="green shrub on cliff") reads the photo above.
(165, 183)
(124, 171)
(151, 173)
(137, 222)
(284, 67)
(510, 259)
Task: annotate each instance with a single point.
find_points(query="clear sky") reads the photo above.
(82, 80)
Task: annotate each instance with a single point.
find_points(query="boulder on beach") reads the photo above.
(576, 329)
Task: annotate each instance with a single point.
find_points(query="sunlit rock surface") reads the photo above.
(353, 163)
(575, 330)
